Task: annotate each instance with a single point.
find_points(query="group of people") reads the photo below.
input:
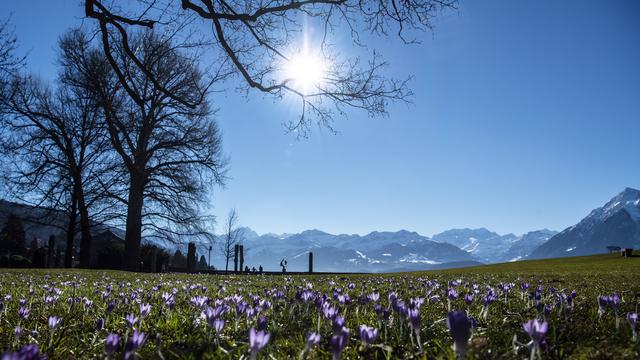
(253, 269)
(260, 270)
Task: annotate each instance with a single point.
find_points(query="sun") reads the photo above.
(305, 71)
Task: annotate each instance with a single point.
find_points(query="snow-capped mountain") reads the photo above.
(617, 223)
(526, 244)
(484, 245)
(374, 252)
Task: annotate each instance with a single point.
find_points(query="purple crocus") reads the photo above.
(414, 319)
(111, 306)
(111, 343)
(218, 325)
(17, 332)
(338, 343)
(54, 322)
(313, 339)
(338, 324)
(145, 309)
(368, 335)
(131, 320)
(468, 299)
(257, 341)
(136, 341)
(24, 312)
(632, 318)
(329, 312)
(262, 322)
(537, 330)
(460, 329)
(26, 352)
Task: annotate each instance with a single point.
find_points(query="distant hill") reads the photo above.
(41, 222)
(38, 222)
(616, 223)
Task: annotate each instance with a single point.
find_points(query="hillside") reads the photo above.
(612, 264)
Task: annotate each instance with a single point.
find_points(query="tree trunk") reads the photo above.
(134, 224)
(85, 229)
(71, 231)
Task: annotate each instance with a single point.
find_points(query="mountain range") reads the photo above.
(617, 223)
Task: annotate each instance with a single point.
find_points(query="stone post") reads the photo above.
(191, 258)
(50, 250)
(235, 258)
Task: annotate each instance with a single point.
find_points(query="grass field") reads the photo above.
(98, 314)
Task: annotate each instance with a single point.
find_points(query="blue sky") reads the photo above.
(526, 115)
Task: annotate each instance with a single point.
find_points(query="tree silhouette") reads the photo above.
(59, 146)
(255, 38)
(231, 237)
(169, 154)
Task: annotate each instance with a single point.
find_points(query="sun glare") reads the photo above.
(306, 71)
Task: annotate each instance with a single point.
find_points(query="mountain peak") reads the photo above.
(628, 199)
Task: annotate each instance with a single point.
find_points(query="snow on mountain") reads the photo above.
(521, 248)
(616, 223)
(375, 252)
(484, 245)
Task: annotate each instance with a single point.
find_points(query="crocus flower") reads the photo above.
(131, 320)
(414, 319)
(329, 312)
(368, 335)
(54, 322)
(111, 343)
(145, 309)
(460, 329)
(468, 299)
(99, 324)
(136, 341)
(257, 341)
(632, 318)
(24, 312)
(17, 332)
(313, 339)
(537, 330)
(26, 352)
(338, 324)
(262, 323)
(452, 294)
(338, 342)
(111, 306)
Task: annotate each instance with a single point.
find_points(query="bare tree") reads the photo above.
(170, 154)
(232, 236)
(58, 145)
(258, 39)
(9, 61)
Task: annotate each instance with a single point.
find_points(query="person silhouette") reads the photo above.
(283, 264)
(260, 269)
